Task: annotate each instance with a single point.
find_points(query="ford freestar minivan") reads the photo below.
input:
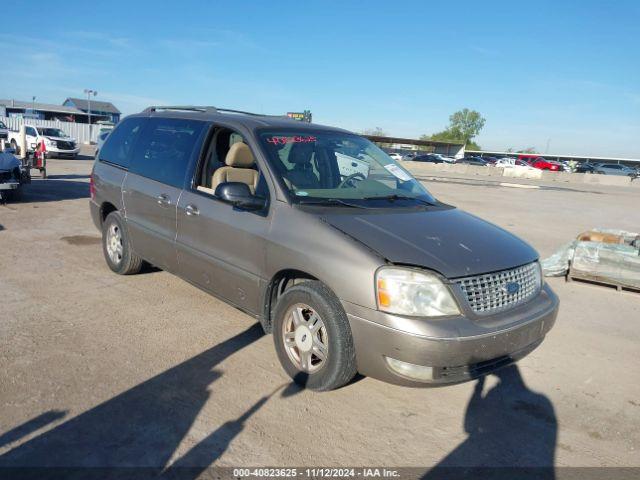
(333, 246)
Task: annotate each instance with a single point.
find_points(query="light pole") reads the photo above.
(89, 93)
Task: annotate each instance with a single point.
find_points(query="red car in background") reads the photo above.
(541, 163)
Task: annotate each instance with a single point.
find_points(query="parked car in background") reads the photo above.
(541, 163)
(615, 169)
(510, 162)
(478, 161)
(409, 156)
(444, 158)
(585, 167)
(429, 157)
(490, 160)
(4, 131)
(396, 156)
(342, 268)
(13, 175)
(57, 143)
(102, 136)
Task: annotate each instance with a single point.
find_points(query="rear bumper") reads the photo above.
(94, 208)
(453, 358)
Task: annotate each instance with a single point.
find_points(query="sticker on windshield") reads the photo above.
(397, 172)
(302, 193)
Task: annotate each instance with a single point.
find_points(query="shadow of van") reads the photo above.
(511, 431)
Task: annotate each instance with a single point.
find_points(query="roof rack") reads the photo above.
(205, 109)
(187, 108)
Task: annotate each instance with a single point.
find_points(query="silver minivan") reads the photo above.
(336, 249)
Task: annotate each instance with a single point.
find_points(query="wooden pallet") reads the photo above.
(599, 280)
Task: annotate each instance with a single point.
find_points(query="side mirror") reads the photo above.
(239, 195)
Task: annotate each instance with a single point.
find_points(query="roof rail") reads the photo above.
(188, 108)
(229, 110)
(205, 109)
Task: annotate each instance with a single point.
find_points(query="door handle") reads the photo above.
(191, 210)
(163, 200)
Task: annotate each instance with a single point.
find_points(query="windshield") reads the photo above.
(324, 165)
(51, 132)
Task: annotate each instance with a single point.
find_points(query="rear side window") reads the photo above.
(119, 146)
(164, 149)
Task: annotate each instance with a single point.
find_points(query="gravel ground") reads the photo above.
(103, 370)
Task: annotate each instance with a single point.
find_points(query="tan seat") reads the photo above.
(239, 162)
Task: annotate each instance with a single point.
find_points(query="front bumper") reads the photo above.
(9, 185)
(457, 348)
(57, 152)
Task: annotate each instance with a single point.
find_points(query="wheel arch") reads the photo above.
(278, 284)
(105, 209)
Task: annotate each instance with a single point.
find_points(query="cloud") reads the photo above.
(116, 42)
(211, 38)
(487, 52)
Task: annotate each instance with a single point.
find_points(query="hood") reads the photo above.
(449, 241)
(8, 161)
(63, 139)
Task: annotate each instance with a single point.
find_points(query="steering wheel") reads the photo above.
(350, 178)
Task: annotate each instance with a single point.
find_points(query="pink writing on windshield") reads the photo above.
(296, 139)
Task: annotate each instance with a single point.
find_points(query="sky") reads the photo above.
(563, 77)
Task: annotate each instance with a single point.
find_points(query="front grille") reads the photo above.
(62, 145)
(494, 292)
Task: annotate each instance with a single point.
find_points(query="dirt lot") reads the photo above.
(99, 369)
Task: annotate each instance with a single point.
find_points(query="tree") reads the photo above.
(466, 124)
(463, 126)
(374, 132)
(471, 145)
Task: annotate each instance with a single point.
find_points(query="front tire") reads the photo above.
(313, 338)
(117, 248)
(16, 195)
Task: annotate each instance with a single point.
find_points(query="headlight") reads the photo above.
(48, 142)
(539, 276)
(411, 292)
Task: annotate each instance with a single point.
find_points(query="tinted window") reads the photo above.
(31, 131)
(163, 151)
(118, 147)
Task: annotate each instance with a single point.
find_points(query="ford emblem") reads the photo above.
(512, 288)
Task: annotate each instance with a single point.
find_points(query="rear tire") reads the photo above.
(322, 331)
(117, 247)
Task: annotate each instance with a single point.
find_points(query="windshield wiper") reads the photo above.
(328, 201)
(395, 196)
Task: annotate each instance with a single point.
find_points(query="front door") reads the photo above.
(220, 248)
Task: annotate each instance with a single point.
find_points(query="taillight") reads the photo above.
(92, 187)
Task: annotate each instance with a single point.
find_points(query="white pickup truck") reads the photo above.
(57, 143)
